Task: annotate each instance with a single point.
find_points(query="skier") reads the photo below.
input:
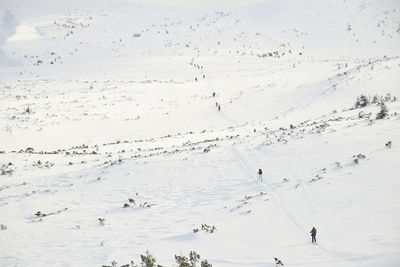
(213, 94)
(219, 107)
(260, 175)
(313, 234)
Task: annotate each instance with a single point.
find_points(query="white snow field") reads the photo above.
(109, 147)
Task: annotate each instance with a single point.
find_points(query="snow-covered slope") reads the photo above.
(111, 143)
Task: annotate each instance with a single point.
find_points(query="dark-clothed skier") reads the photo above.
(313, 235)
(260, 175)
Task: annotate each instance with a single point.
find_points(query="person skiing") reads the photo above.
(219, 107)
(260, 175)
(313, 235)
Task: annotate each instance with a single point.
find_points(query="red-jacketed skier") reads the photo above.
(313, 235)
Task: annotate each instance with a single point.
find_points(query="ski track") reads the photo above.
(280, 207)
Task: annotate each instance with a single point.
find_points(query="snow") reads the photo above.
(99, 108)
(7, 28)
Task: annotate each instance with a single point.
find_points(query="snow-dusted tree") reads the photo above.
(362, 101)
(383, 112)
(148, 260)
(182, 261)
(375, 99)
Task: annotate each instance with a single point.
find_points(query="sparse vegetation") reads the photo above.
(206, 228)
(247, 200)
(176, 154)
(191, 261)
(46, 164)
(148, 260)
(137, 203)
(41, 214)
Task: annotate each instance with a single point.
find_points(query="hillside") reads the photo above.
(111, 143)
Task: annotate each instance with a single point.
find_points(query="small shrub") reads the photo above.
(338, 165)
(40, 214)
(205, 263)
(278, 262)
(6, 169)
(356, 158)
(102, 221)
(388, 144)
